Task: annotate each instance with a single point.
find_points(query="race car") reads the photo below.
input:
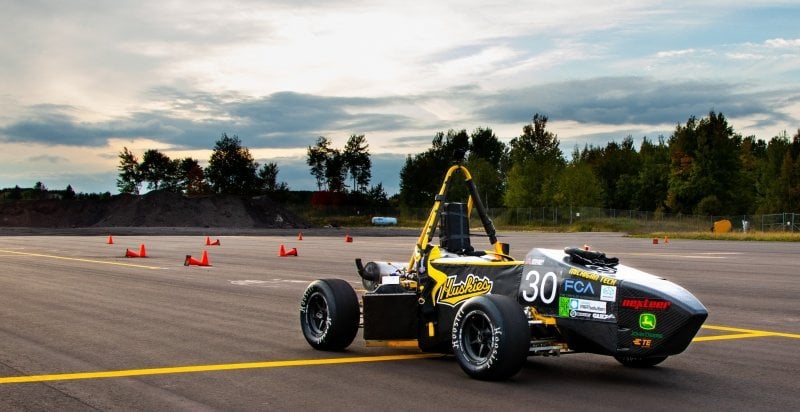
(492, 311)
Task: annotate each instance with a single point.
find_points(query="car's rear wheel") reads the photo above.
(637, 362)
(329, 314)
(491, 337)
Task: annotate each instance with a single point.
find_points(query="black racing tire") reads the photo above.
(637, 362)
(491, 337)
(329, 314)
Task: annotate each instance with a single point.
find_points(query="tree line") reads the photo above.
(333, 169)
(704, 167)
(231, 170)
(39, 191)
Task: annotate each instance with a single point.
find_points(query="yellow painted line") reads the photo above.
(210, 368)
(752, 331)
(104, 262)
(740, 334)
(734, 336)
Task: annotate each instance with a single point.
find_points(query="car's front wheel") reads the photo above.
(491, 337)
(329, 314)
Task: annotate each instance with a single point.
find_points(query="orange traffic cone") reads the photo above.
(210, 243)
(204, 259)
(283, 252)
(131, 254)
(655, 240)
(110, 240)
(348, 238)
(300, 236)
(666, 239)
(190, 261)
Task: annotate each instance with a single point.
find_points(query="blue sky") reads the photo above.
(83, 79)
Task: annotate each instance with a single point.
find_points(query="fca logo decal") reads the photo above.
(577, 286)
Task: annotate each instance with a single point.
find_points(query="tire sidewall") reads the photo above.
(342, 317)
(509, 339)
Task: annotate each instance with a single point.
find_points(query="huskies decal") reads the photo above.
(456, 283)
(451, 292)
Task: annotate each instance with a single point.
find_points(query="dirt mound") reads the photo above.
(154, 209)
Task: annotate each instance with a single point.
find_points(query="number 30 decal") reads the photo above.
(538, 286)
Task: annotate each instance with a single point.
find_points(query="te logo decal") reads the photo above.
(647, 321)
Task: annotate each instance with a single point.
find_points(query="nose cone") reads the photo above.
(657, 318)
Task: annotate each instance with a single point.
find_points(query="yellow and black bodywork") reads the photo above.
(493, 311)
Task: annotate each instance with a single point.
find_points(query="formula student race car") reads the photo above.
(492, 311)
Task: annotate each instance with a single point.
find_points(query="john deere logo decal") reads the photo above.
(647, 321)
(452, 292)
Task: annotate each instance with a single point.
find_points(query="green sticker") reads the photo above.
(647, 321)
(563, 307)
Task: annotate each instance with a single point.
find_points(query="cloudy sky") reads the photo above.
(81, 79)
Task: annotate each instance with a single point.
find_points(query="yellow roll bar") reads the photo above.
(433, 217)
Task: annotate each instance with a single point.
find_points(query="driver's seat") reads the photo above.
(454, 229)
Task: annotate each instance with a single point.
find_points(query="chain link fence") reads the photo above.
(585, 218)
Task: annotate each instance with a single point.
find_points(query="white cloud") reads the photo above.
(783, 43)
(675, 53)
(396, 69)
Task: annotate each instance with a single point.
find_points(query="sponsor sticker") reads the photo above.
(646, 304)
(647, 321)
(563, 307)
(535, 261)
(583, 309)
(451, 292)
(583, 305)
(643, 343)
(593, 276)
(578, 287)
(608, 293)
(577, 314)
(648, 335)
(592, 306)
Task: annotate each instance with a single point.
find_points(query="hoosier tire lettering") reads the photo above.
(490, 337)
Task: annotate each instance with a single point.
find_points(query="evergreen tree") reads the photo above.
(705, 167)
(653, 179)
(69, 193)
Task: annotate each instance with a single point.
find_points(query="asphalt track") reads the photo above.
(84, 328)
